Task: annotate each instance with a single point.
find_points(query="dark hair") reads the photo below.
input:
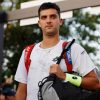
(49, 5)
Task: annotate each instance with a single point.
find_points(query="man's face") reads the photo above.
(49, 22)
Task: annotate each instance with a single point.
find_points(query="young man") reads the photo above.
(43, 54)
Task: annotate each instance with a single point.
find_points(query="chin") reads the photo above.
(50, 34)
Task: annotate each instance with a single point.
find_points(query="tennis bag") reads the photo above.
(53, 88)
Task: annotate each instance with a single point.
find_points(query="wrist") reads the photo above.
(74, 79)
(64, 76)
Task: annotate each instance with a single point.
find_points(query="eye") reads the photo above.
(53, 16)
(43, 17)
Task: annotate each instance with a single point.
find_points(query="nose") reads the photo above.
(48, 20)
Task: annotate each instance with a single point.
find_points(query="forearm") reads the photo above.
(21, 93)
(20, 96)
(90, 83)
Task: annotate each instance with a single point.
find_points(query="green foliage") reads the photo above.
(1, 1)
(86, 19)
(64, 31)
(87, 25)
(15, 40)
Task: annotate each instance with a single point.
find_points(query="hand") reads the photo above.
(9, 80)
(55, 69)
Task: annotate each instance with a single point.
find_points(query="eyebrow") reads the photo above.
(52, 15)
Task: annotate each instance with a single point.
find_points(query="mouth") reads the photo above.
(49, 26)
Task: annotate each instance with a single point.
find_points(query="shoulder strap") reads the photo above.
(27, 59)
(67, 58)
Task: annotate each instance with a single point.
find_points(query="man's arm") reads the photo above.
(21, 92)
(89, 81)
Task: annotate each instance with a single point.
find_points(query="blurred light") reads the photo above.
(65, 15)
(36, 3)
(92, 10)
(29, 21)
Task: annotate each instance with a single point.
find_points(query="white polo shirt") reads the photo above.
(42, 59)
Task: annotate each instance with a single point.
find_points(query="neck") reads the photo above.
(49, 42)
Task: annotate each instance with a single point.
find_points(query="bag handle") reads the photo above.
(65, 49)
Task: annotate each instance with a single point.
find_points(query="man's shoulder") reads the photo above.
(77, 46)
(31, 45)
(74, 45)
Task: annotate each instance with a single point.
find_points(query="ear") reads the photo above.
(61, 21)
(39, 23)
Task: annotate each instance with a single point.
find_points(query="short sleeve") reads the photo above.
(21, 74)
(81, 60)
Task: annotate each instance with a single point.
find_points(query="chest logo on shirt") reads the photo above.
(55, 59)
